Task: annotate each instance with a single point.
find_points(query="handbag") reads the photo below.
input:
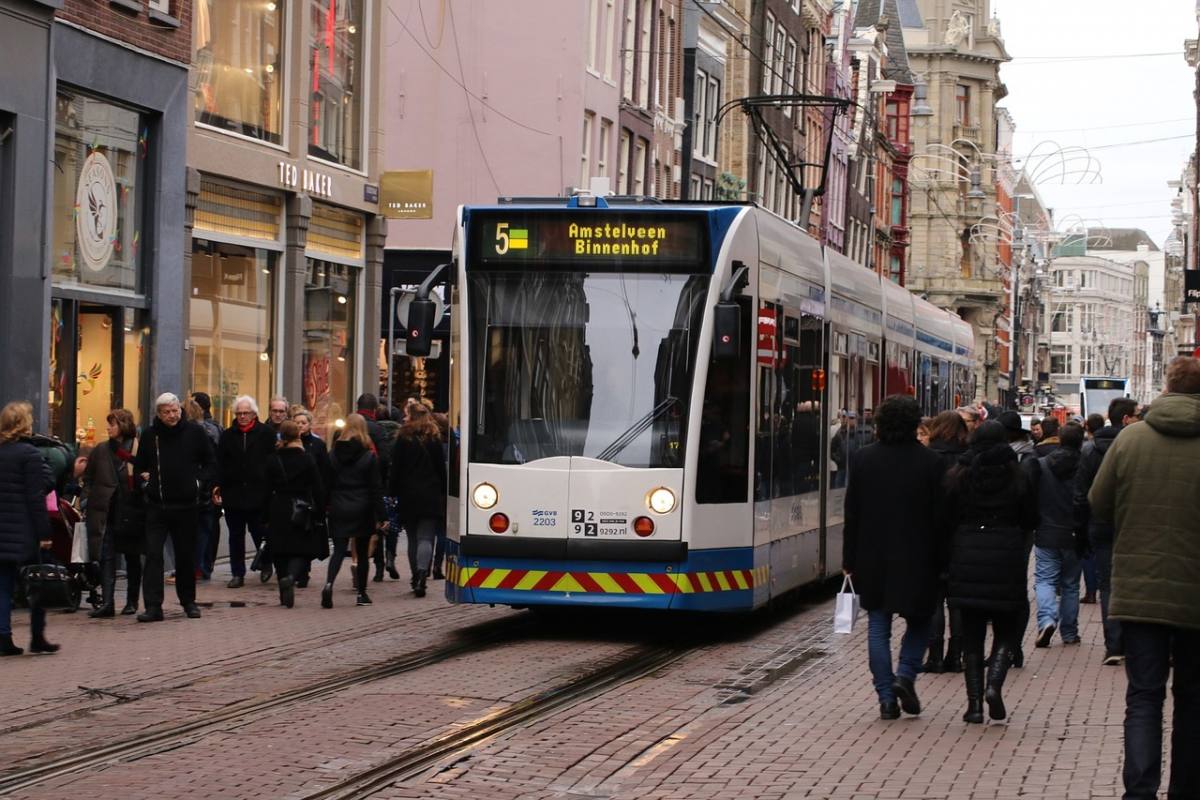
(52, 501)
(49, 586)
(845, 612)
(79, 544)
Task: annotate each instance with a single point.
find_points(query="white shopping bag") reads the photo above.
(79, 544)
(845, 613)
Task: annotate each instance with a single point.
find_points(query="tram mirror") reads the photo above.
(727, 321)
(421, 317)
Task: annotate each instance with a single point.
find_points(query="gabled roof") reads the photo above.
(869, 12)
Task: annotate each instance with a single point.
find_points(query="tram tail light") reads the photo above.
(643, 526)
(498, 522)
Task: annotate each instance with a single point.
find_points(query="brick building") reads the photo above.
(93, 136)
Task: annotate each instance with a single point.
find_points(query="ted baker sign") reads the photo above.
(305, 180)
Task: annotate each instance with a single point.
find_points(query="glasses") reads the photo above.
(243, 413)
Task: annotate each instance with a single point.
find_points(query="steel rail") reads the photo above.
(413, 761)
(172, 735)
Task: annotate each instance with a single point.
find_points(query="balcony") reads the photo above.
(969, 132)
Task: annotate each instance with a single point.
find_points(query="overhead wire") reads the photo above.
(470, 113)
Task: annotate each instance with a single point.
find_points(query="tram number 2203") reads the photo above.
(584, 522)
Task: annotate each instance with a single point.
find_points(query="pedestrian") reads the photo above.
(175, 463)
(209, 533)
(1096, 535)
(294, 494)
(355, 505)
(1057, 552)
(368, 409)
(115, 512)
(923, 431)
(948, 437)
(315, 446)
(25, 480)
(1148, 486)
(891, 547)
(439, 545)
(993, 513)
(241, 487)
(277, 412)
(1049, 441)
(390, 421)
(848, 440)
(1093, 424)
(418, 482)
(1023, 444)
(971, 416)
(1035, 430)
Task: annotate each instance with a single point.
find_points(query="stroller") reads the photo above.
(85, 576)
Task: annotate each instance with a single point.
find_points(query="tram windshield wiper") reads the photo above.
(636, 429)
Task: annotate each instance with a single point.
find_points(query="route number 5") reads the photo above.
(501, 238)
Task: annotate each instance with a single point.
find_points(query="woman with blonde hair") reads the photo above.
(418, 482)
(25, 479)
(355, 505)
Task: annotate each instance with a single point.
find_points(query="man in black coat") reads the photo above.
(241, 489)
(1057, 567)
(368, 406)
(175, 463)
(893, 549)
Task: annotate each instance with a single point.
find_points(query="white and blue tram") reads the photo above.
(653, 404)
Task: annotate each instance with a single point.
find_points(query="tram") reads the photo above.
(653, 404)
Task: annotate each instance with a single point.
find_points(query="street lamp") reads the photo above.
(921, 106)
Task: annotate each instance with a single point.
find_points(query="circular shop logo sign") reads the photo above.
(96, 220)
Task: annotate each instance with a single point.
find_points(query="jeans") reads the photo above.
(1148, 652)
(179, 525)
(1007, 628)
(1090, 579)
(420, 544)
(1057, 568)
(1113, 644)
(239, 521)
(879, 650)
(8, 585)
(206, 532)
(362, 560)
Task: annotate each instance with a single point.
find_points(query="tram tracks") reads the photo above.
(173, 735)
(627, 666)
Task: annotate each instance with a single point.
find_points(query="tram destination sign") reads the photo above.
(588, 236)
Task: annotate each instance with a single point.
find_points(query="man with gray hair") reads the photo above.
(242, 454)
(174, 462)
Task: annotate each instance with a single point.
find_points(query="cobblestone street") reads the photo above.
(258, 701)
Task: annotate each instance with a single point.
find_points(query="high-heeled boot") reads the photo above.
(7, 648)
(973, 676)
(953, 661)
(997, 672)
(419, 583)
(133, 586)
(108, 584)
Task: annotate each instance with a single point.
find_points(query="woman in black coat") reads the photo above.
(993, 512)
(113, 511)
(891, 547)
(25, 479)
(948, 438)
(294, 492)
(355, 505)
(418, 482)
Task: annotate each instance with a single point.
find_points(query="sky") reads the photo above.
(1066, 87)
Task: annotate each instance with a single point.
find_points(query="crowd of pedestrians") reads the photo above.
(159, 494)
(950, 518)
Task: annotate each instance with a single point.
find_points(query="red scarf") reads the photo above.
(125, 457)
(368, 414)
(246, 428)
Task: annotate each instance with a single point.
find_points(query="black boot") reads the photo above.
(953, 661)
(327, 596)
(7, 648)
(1016, 656)
(104, 610)
(973, 675)
(378, 578)
(40, 645)
(287, 591)
(132, 590)
(997, 672)
(108, 585)
(392, 572)
(933, 662)
(419, 583)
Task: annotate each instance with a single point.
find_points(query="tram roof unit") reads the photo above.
(900, 319)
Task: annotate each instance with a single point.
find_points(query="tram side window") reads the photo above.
(803, 437)
(723, 460)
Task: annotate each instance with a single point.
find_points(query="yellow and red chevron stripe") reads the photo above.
(536, 580)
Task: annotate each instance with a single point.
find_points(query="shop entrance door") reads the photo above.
(96, 366)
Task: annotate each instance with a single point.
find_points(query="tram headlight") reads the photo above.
(661, 500)
(485, 496)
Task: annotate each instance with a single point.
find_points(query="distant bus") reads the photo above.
(1096, 393)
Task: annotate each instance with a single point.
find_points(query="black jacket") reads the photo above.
(356, 499)
(180, 464)
(992, 506)
(25, 479)
(242, 464)
(382, 442)
(1055, 476)
(291, 474)
(1089, 531)
(418, 479)
(948, 451)
(315, 446)
(892, 541)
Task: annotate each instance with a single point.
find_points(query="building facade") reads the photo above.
(955, 48)
(93, 136)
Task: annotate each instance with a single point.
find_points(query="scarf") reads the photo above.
(247, 427)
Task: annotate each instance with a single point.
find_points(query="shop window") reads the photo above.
(723, 460)
(238, 66)
(330, 292)
(98, 152)
(336, 61)
(232, 323)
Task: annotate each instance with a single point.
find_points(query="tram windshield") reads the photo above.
(595, 363)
